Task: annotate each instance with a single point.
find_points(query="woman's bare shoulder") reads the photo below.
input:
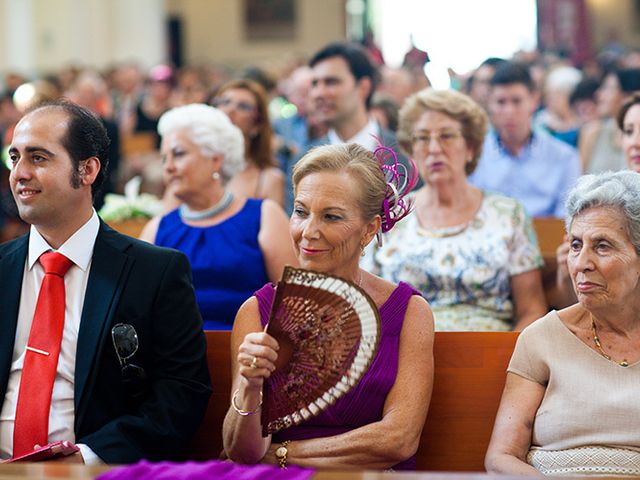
(273, 175)
(380, 289)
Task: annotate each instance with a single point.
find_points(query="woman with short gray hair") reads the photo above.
(234, 245)
(570, 405)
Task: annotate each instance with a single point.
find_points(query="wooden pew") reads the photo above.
(207, 444)
(550, 233)
(138, 143)
(132, 227)
(470, 369)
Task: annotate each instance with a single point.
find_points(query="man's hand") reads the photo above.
(60, 456)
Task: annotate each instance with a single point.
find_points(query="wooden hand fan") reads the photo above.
(328, 330)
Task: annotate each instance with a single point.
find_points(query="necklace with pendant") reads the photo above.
(195, 215)
(596, 340)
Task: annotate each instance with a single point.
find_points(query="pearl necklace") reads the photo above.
(195, 215)
(596, 340)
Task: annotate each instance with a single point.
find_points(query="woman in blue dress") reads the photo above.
(235, 245)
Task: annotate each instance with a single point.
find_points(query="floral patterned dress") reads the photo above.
(464, 271)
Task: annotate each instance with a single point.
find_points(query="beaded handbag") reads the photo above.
(328, 330)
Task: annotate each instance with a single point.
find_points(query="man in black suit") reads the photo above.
(343, 82)
(124, 393)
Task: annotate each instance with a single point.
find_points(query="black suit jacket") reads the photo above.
(150, 288)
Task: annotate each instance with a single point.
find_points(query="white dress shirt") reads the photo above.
(368, 137)
(79, 249)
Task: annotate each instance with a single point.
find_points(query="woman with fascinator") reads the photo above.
(473, 254)
(342, 200)
(234, 244)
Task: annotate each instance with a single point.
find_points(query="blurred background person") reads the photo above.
(472, 254)
(479, 83)
(628, 122)
(600, 144)
(234, 244)
(558, 117)
(125, 96)
(156, 99)
(245, 102)
(518, 161)
(396, 84)
(90, 90)
(583, 100)
(385, 111)
(293, 132)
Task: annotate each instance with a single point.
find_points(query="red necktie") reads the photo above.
(31, 425)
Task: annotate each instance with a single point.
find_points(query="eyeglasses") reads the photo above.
(445, 139)
(240, 106)
(125, 343)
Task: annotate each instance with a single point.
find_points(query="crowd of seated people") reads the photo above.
(466, 251)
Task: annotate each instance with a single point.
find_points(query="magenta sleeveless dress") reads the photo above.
(364, 403)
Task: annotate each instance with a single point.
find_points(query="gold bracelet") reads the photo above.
(239, 411)
(281, 454)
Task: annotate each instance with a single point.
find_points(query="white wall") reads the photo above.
(43, 35)
(214, 31)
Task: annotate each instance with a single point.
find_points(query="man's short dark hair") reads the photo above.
(629, 79)
(357, 59)
(85, 137)
(585, 90)
(494, 62)
(509, 73)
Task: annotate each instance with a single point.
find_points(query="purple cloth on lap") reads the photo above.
(213, 469)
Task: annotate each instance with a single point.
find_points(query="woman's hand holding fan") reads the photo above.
(327, 329)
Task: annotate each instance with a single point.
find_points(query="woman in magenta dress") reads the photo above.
(339, 195)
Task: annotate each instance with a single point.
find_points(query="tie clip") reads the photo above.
(37, 350)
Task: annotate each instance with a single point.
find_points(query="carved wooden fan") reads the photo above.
(328, 329)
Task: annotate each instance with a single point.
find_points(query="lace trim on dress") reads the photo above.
(586, 460)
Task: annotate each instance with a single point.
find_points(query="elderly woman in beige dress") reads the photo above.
(570, 404)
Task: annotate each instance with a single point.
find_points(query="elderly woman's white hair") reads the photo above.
(563, 78)
(619, 190)
(211, 130)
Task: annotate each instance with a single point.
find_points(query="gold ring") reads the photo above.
(254, 362)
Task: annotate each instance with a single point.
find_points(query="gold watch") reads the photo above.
(281, 454)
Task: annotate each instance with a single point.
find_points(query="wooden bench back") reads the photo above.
(132, 227)
(550, 233)
(470, 369)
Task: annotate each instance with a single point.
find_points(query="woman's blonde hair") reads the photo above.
(458, 106)
(353, 159)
